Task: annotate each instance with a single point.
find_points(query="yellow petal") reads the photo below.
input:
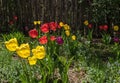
(23, 51)
(38, 22)
(116, 28)
(32, 60)
(66, 27)
(67, 32)
(86, 22)
(35, 22)
(39, 52)
(73, 37)
(12, 44)
(61, 24)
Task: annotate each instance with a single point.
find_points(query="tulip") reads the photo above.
(115, 28)
(23, 51)
(11, 22)
(105, 27)
(38, 22)
(61, 24)
(43, 40)
(53, 26)
(12, 44)
(89, 25)
(52, 38)
(116, 39)
(101, 27)
(59, 40)
(39, 52)
(66, 27)
(44, 28)
(15, 17)
(67, 32)
(33, 33)
(35, 22)
(86, 22)
(32, 60)
(73, 37)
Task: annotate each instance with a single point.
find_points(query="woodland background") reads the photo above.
(72, 12)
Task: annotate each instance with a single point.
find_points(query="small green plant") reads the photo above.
(89, 36)
(64, 67)
(106, 38)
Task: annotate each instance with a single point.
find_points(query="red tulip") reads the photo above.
(59, 27)
(33, 33)
(52, 38)
(53, 26)
(43, 40)
(44, 28)
(101, 27)
(15, 17)
(11, 22)
(105, 27)
(89, 25)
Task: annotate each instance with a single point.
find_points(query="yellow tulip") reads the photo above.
(38, 22)
(23, 51)
(115, 28)
(12, 44)
(86, 22)
(67, 32)
(61, 24)
(66, 27)
(73, 37)
(39, 52)
(35, 22)
(32, 60)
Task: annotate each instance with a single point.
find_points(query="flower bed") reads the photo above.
(52, 52)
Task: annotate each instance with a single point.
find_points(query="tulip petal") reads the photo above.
(12, 44)
(23, 51)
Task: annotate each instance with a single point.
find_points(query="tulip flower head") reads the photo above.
(43, 40)
(67, 32)
(73, 37)
(90, 26)
(53, 26)
(23, 51)
(116, 39)
(32, 60)
(115, 28)
(105, 27)
(59, 40)
(44, 28)
(66, 27)
(52, 38)
(86, 22)
(33, 33)
(39, 52)
(61, 24)
(12, 44)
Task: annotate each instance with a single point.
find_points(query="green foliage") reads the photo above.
(92, 58)
(104, 10)
(106, 38)
(19, 35)
(8, 69)
(65, 64)
(99, 62)
(90, 35)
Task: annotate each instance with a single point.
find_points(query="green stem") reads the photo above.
(25, 71)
